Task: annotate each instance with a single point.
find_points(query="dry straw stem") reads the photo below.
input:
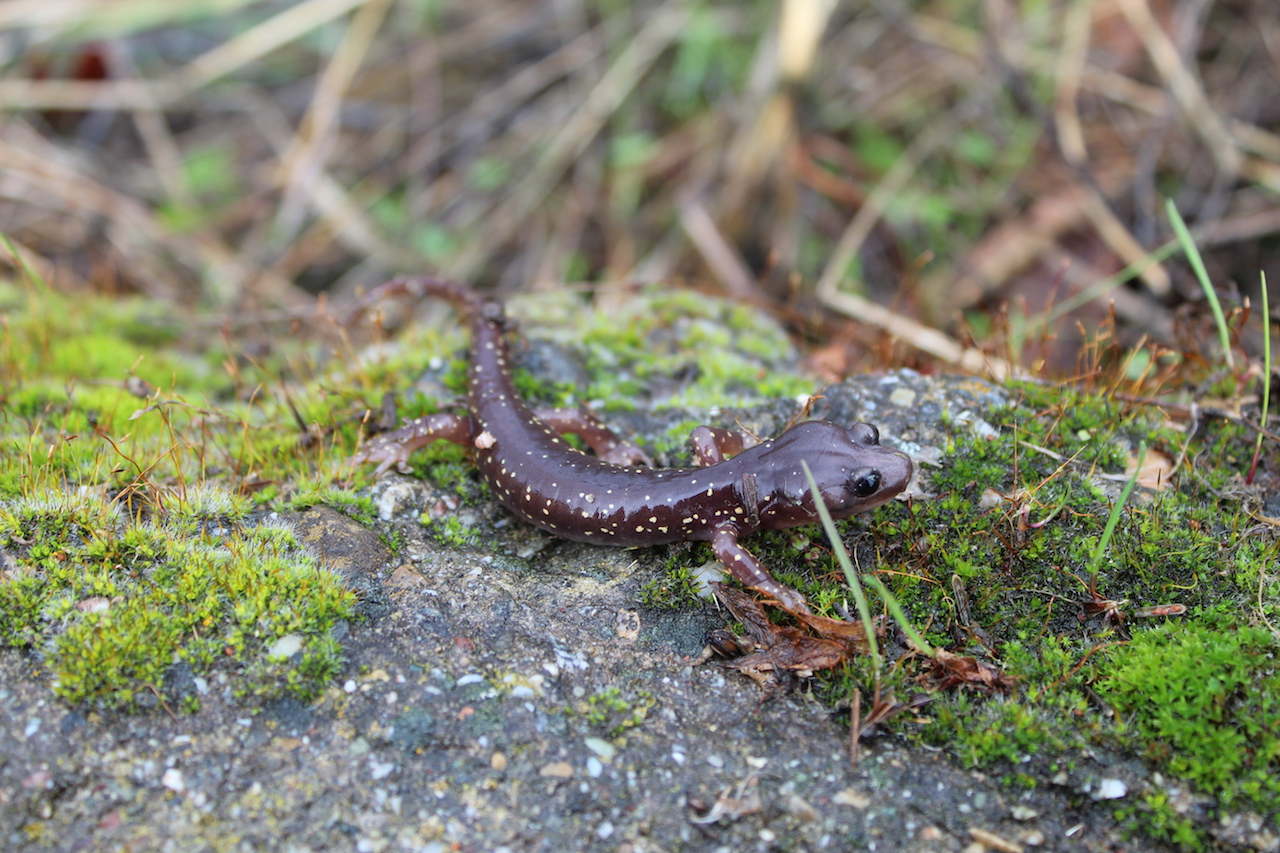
(723, 260)
(924, 338)
(799, 33)
(288, 26)
(318, 133)
(568, 140)
(1072, 60)
(105, 18)
(1182, 83)
(49, 178)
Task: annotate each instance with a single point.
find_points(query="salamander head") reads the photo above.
(853, 471)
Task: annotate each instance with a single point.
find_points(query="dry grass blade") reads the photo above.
(1200, 115)
(1119, 239)
(573, 136)
(18, 95)
(924, 338)
(857, 231)
(291, 24)
(1070, 70)
(106, 18)
(318, 134)
(724, 261)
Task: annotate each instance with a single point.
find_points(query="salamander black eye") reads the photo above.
(864, 433)
(864, 482)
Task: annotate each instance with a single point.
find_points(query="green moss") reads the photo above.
(675, 589)
(129, 480)
(1158, 818)
(359, 507)
(1017, 516)
(450, 531)
(116, 601)
(612, 712)
(1202, 700)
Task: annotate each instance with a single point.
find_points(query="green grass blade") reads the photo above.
(1197, 263)
(891, 601)
(1266, 377)
(842, 556)
(30, 274)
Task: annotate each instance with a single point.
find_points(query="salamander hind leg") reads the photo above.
(606, 443)
(712, 445)
(394, 447)
(749, 571)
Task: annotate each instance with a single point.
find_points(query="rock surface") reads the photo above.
(517, 696)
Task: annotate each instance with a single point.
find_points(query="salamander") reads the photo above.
(617, 497)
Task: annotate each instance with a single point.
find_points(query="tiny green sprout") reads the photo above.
(1095, 562)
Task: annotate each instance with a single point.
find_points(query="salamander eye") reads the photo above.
(864, 433)
(864, 482)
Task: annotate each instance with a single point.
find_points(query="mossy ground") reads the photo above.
(1017, 517)
(136, 560)
(1015, 513)
(131, 501)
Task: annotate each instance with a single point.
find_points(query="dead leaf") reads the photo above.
(732, 803)
(1156, 473)
(952, 670)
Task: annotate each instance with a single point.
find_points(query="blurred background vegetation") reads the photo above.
(992, 169)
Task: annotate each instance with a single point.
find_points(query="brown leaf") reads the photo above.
(952, 670)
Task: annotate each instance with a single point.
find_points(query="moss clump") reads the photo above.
(612, 712)
(115, 603)
(1020, 505)
(1201, 701)
(675, 589)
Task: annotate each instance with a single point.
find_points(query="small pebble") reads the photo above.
(601, 747)
(557, 770)
(172, 779)
(1110, 789)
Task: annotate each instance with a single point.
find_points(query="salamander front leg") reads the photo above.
(744, 567)
(394, 447)
(606, 443)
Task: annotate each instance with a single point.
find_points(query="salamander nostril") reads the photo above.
(864, 483)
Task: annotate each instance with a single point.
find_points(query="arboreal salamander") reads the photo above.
(612, 498)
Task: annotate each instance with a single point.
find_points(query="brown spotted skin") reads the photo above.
(548, 483)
